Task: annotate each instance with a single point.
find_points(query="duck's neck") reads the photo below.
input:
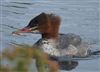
(50, 35)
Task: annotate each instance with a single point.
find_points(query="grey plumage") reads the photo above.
(65, 44)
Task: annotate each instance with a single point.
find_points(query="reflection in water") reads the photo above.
(72, 64)
(68, 65)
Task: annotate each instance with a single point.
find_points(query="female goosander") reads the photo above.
(53, 43)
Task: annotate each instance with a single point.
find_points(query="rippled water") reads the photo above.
(78, 16)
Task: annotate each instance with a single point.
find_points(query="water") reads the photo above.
(77, 16)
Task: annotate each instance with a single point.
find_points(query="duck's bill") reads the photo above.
(25, 30)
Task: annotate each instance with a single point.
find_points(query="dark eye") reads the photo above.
(36, 21)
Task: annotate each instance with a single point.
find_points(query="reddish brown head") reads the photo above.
(46, 24)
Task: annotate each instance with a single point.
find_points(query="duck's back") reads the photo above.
(66, 39)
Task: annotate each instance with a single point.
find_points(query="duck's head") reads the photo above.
(45, 24)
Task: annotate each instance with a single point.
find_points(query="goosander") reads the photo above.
(51, 42)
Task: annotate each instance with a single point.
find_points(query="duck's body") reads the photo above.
(60, 46)
(51, 41)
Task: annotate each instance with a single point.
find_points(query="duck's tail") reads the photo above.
(95, 53)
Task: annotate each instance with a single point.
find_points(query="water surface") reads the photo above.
(77, 16)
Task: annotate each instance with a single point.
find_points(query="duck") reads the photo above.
(55, 45)
(52, 42)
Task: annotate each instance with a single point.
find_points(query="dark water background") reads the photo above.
(78, 16)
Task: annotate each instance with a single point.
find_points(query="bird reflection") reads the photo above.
(68, 65)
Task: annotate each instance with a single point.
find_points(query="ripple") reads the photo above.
(23, 3)
(14, 6)
(9, 26)
(14, 12)
(18, 13)
(96, 55)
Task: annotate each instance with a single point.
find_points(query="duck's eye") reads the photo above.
(36, 21)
